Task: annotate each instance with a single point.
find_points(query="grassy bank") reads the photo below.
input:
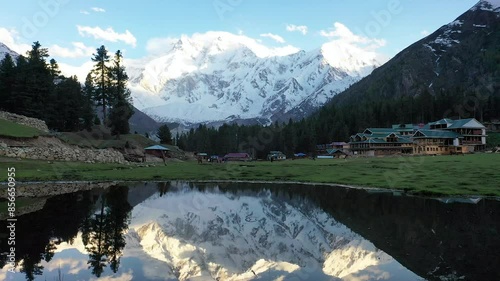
(100, 137)
(14, 130)
(475, 174)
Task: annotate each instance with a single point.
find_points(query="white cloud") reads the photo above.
(80, 71)
(300, 28)
(10, 38)
(98, 10)
(107, 34)
(163, 45)
(424, 32)
(340, 32)
(84, 12)
(79, 50)
(275, 37)
(158, 45)
(355, 54)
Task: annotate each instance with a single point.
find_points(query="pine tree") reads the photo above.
(38, 83)
(101, 77)
(122, 109)
(20, 100)
(69, 95)
(54, 69)
(164, 134)
(88, 115)
(52, 103)
(7, 78)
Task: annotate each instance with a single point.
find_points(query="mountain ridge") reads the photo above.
(216, 76)
(4, 50)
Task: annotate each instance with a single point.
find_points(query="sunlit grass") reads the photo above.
(475, 174)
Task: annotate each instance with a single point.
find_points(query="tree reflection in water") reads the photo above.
(40, 232)
(103, 231)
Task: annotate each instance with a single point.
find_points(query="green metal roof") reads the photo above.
(156, 147)
(438, 134)
(380, 130)
(334, 150)
(457, 124)
(403, 127)
(362, 135)
(383, 135)
(442, 122)
(372, 141)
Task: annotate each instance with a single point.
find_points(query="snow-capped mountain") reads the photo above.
(488, 5)
(458, 57)
(449, 35)
(5, 50)
(221, 76)
(210, 235)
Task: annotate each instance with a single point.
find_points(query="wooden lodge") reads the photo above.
(445, 136)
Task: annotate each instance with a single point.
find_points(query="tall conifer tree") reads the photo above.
(101, 77)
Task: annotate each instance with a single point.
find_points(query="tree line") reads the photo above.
(338, 120)
(33, 86)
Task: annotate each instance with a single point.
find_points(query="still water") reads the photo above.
(236, 231)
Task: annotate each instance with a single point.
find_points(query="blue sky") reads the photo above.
(72, 29)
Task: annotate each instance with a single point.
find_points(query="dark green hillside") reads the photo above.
(454, 72)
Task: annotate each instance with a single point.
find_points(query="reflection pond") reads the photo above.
(241, 231)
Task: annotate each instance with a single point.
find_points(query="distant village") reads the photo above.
(442, 137)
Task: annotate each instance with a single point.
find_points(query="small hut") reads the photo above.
(299, 155)
(157, 150)
(336, 153)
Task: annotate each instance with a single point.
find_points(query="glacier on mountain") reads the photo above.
(221, 76)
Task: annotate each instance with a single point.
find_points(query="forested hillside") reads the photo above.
(33, 86)
(453, 73)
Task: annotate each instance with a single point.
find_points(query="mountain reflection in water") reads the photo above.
(185, 231)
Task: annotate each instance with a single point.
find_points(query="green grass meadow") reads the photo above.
(14, 130)
(475, 174)
(100, 137)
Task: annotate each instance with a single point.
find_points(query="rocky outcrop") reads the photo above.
(63, 153)
(23, 120)
(47, 189)
(53, 149)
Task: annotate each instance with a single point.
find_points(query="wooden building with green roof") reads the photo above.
(445, 136)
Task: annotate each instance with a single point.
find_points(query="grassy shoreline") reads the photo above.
(469, 175)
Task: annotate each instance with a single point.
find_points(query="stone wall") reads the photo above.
(47, 189)
(61, 153)
(51, 149)
(23, 120)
